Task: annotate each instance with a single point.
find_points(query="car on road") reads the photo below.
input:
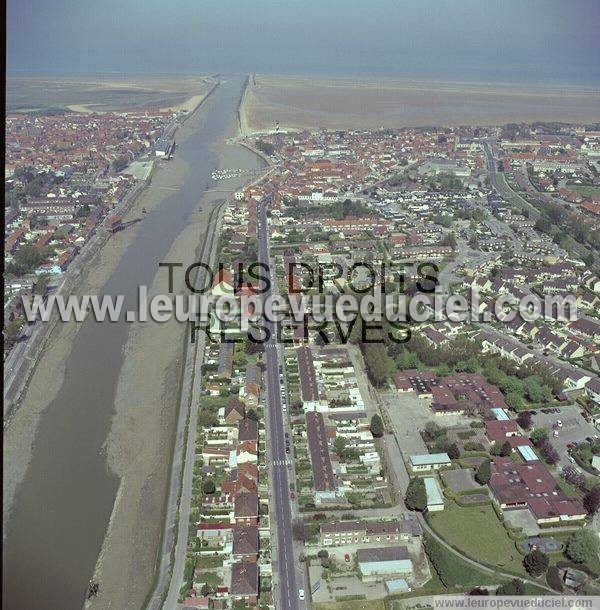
(301, 594)
(559, 423)
(555, 433)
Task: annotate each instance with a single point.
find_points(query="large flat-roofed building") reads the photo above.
(323, 478)
(531, 485)
(384, 560)
(435, 499)
(429, 461)
(367, 532)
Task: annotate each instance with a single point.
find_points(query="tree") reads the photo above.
(514, 587)
(478, 591)
(26, 259)
(376, 426)
(484, 473)
(41, 284)
(339, 446)
(533, 389)
(453, 451)
(298, 530)
(539, 435)
(496, 448)
(515, 401)
(208, 486)
(573, 476)
(416, 496)
(120, 163)
(265, 147)
(379, 364)
(548, 451)
(322, 554)
(506, 449)
(591, 500)
(582, 545)
(252, 414)
(12, 330)
(525, 420)
(536, 562)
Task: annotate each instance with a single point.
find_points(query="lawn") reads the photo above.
(478, 533)
(209, 562)
(210, 578)
(357, 604)
(586, 191)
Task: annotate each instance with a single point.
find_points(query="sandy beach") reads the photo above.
(298, 103)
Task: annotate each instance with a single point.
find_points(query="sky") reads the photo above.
(523, 41)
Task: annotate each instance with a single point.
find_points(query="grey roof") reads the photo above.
(385, 553)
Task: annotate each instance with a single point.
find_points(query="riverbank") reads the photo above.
(48, 379)
(140, 443)
(49, 372)
(87, 458)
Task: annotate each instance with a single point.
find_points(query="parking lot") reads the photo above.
(574, 429)
(460, 480)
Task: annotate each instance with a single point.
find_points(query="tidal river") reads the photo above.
(62, 507)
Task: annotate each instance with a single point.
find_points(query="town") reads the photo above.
(462, 459)
(445, 457)
(68, 178)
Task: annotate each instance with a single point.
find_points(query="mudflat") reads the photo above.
(341, 103)
(105, 94)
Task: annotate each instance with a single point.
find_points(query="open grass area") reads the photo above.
(478, 533)
(209, 562)
(356, 604)
(586, 191)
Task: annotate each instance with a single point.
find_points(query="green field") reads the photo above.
(586, 191)
(478, 533)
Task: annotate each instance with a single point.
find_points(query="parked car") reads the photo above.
(346, 557)
(301, 594)
(559, 423)
(292, 495)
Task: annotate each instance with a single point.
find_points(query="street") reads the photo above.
(288, 583)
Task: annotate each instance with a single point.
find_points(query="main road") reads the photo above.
(286, 562)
